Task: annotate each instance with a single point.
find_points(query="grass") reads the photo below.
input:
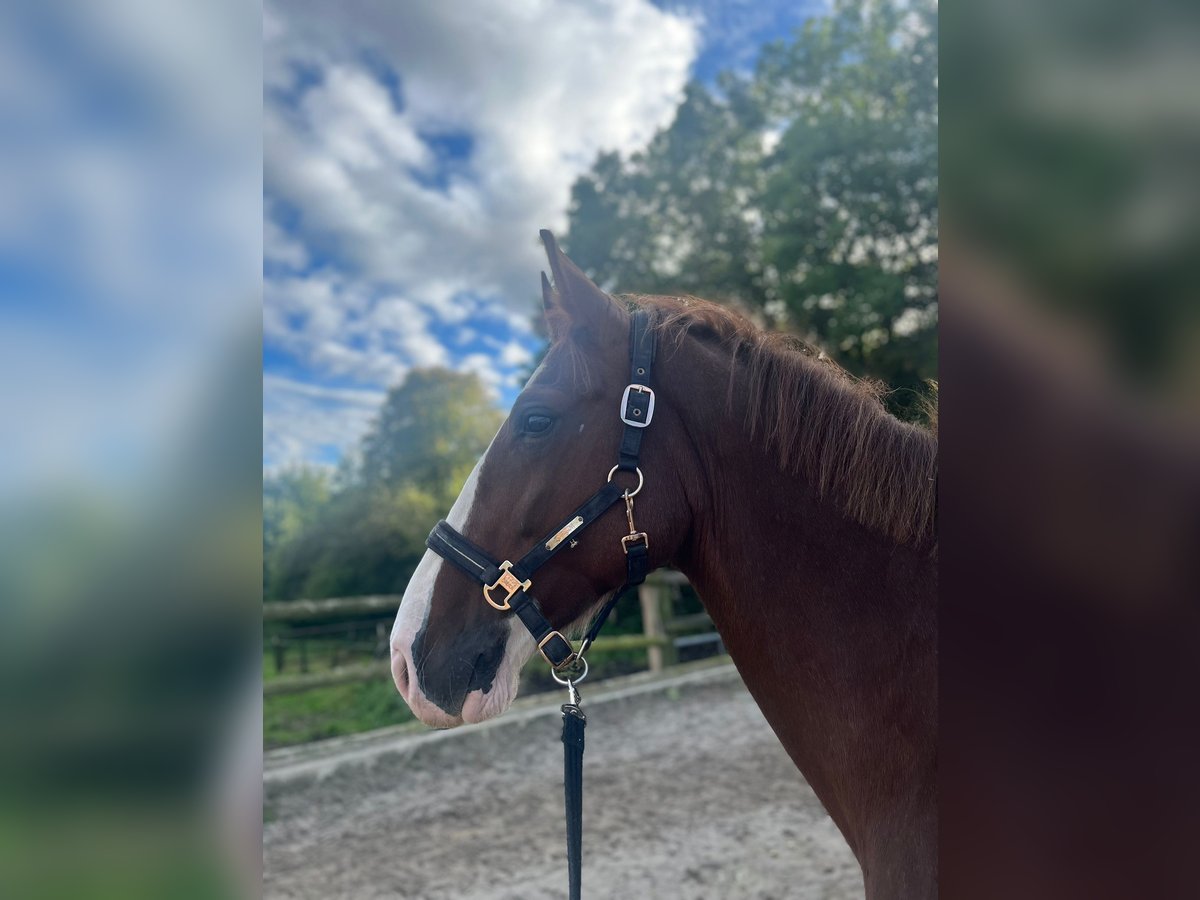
(321, 657)
(351, 708)
(332, 711)
(343, 709)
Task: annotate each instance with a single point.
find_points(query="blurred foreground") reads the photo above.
(130, 241)
(1070, 482)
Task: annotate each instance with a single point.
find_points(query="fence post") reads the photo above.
(652, 624)
(667, 595)
(280, 652)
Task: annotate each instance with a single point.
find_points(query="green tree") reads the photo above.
(1071, 167)
(429, 433)
(367, 541)
(807, 193)
(850, 199)
(678, 216)
(293, 500)
(367, 533)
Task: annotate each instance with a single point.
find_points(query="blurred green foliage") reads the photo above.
(362, 529)
(1070, 143)
(806, 194)
(292, 502)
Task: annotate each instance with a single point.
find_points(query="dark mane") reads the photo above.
(825, 424)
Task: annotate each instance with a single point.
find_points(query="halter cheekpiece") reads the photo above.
(507, 585)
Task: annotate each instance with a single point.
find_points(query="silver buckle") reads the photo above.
(641, 389)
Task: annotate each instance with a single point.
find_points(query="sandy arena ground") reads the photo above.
(687, 794)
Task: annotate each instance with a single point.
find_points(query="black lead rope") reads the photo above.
(507, 585)
(574, 722)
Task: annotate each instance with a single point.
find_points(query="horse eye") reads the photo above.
(536, 423)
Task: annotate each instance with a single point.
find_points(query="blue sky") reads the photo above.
(412, 151)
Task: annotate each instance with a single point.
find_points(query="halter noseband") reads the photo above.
(507, 585)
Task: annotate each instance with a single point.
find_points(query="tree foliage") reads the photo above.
(363, 531)
(367, 541)
(292, 500)
(429, 433)
(806, 193)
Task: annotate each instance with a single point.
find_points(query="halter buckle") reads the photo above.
(508, 581)
(571, 656)
(632, 538)
(637, 416)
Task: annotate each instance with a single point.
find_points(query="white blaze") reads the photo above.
(414, 607)
(414, 613)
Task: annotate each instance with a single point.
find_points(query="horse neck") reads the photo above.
(831, 626)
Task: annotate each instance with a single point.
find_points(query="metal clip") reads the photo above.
(634, 535)
(569, 683)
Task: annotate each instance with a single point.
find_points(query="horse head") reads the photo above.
(456, 658)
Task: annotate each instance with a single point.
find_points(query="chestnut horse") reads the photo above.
(799, 509)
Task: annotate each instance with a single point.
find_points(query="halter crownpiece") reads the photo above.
(507, 585)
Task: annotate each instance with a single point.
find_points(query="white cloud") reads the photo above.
(539, 87)
(515, 354)
(350, 396)
(332, 326)
(403, 237)
(423, 349)
(360, 129)
(301, 420)
(485, 367)
(282, 249)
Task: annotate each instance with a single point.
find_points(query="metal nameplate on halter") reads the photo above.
(563, 533)
(508, 581)
(635, 416)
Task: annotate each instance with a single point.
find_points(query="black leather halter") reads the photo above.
(507, 585)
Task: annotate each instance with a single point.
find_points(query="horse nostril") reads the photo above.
(400, 671)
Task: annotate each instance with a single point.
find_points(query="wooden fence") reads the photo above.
(663, 634)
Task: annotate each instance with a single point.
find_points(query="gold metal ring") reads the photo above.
(641, 480)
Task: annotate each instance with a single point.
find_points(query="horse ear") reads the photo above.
(575, 305)
(557, 323)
